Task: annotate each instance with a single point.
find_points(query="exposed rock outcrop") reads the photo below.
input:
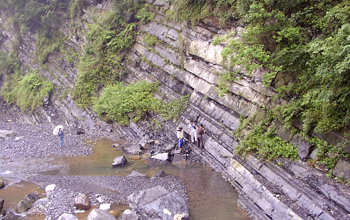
(185, 62)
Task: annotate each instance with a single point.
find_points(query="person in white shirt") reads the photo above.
(192, 131)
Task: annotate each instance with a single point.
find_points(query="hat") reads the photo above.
(179, 129)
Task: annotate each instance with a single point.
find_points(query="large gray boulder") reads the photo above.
(119, 161)
(159, 203)
(81, 202)
(99, 214)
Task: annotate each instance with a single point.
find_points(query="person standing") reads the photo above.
(180, 137)
(60, 137)
(200, 132)
(192, 131)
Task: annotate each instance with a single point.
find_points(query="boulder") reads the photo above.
(342, 169)
(130, 215)
(7, 133)
(81, 202)
(134, 149)
(2, 183)
(27, 202)
(119, 161)
(304, 148)
(66, 216)
(159, 203)
(99, 214)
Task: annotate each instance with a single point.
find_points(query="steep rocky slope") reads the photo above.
(185, 62)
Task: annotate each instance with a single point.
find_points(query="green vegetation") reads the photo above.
(145, 15)
(118, 101)
(150, 40)
(109, 36)
(26, 92)
(263, 141)
(305, 41)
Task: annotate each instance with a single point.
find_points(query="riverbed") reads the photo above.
(85, 163)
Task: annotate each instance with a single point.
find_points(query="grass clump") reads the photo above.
(26, 92)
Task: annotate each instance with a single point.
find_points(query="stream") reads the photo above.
(210, 197)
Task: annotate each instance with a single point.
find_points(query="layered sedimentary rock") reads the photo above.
(185, 62)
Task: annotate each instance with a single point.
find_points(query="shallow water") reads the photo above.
(210, 196)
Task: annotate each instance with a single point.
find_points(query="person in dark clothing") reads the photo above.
(60, 137)
(200, 131)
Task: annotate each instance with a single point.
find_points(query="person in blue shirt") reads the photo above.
(60, 137)
(180, 137)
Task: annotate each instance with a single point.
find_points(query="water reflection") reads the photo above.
(210, 196)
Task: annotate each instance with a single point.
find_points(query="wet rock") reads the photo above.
(160, 174)
(130, 215)
(134, 173)
(11, 216)
(2, 183)
(342, 169)
(27, 202)
(7, 133)
(1, 204)
(66, 216)
(81, 202)
(98, 214)
(119, 161)
(158, 202)
(132, 149)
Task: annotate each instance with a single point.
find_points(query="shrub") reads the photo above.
(117, 101)
(26, 92)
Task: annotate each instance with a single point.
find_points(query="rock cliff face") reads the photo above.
(185, 62)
